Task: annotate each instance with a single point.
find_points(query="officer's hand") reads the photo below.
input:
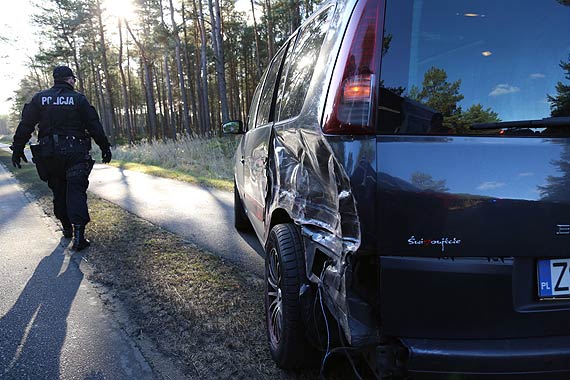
(106, 155)
(17, 155)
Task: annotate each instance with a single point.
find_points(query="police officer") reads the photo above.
(66, 123)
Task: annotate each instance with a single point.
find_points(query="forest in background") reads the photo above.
(173, 68)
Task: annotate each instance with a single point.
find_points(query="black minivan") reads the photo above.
(406, 165)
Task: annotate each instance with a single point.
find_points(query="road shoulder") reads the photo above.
(203, 313)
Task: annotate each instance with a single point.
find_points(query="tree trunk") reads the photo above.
(126, 101)
(170, 98)
(270, 33)
(185, 111)
(78, 72)
(233, 85)
(130, 86)
(150, 101)
(190, 70)
(99, 95)
(294, 14)
(257, 57)
(105, 114)
(108, 80)
(204, 71)
(147, 83)
(215, 18)
(162, 121)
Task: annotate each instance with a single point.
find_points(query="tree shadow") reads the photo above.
(33, 331)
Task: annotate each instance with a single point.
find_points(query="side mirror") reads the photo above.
(233, 127)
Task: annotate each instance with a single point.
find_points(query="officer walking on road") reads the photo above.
(66, 122)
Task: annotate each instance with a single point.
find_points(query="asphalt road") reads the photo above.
(201, 215)
(53, 324)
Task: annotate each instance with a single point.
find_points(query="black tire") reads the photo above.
(284, 273)
(241, 221)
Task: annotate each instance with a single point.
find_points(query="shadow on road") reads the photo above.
(249, 237)
(32, 333)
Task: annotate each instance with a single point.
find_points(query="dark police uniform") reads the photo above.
(66, 123)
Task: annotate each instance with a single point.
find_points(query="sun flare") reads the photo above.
(120, 8)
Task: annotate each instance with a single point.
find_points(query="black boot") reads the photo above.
(67, 230)
(79, 241)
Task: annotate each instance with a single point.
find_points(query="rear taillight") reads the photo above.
(349, 107)
(357, 88)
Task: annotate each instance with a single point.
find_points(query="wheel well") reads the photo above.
(279, 216)
(318, 262)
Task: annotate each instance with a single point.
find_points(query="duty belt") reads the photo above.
(65, 144)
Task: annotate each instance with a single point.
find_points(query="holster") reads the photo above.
(39, 158)
(58, 145)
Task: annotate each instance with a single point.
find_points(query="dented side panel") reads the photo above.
(311, 179)
(314, 188)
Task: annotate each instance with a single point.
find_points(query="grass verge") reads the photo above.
(205, 313)
(155, 159)
(204, 161)
(158, 171)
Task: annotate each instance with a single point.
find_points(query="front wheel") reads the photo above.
(284, 273)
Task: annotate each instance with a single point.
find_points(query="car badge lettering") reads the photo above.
(563, 229)
(428, 242)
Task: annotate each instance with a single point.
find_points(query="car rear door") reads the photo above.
(256, 145)
(473, 203)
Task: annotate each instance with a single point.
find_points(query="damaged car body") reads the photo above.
(406, 164)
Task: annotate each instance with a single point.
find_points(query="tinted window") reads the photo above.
(284, 69)
(264, 113)
(303, 59)
(447, 64)
(254, 104)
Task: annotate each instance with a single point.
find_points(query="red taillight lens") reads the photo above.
(352, 93)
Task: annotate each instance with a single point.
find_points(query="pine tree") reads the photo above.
(560, 104)
(426, 182)
(438, 93)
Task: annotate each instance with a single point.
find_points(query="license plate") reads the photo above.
(554, 278)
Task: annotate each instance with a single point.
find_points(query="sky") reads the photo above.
(14, 25)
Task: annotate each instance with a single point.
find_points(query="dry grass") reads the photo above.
(205, 313)
(223, 184)
(197, 160)
(199, 309)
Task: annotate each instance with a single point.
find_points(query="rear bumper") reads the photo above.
(544, 358)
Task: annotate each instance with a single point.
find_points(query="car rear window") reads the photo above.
(448, 65)
(303, 59)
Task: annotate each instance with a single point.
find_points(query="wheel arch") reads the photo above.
(279, 216)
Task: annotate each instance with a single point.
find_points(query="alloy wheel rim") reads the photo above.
(275, 297)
